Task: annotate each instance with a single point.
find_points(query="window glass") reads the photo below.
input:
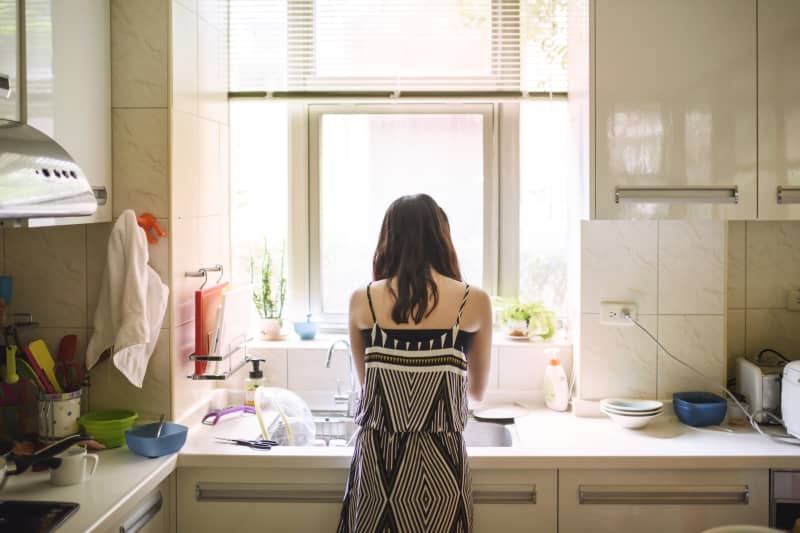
(368, 160)
(544, 207)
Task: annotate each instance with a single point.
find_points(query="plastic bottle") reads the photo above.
(254, 380)
(556, 386)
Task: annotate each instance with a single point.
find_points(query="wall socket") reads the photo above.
(613, 313)
(793, 300)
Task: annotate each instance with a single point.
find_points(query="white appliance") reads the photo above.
(790, 398)
(760, 386)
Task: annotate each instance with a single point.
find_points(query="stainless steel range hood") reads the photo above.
(38, 178)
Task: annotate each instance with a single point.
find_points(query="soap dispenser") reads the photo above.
(254, 380)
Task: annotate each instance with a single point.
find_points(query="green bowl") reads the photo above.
(108, 427)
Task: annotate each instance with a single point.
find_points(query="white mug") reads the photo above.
(74, 467)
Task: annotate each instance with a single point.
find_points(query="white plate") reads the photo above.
(623, 413)
(518, 338)
(501, 412)
(632, 406)
(632, 422)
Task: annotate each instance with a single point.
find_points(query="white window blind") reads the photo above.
(398, 46)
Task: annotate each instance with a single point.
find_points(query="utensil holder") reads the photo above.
(58, 414)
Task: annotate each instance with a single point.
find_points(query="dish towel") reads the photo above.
(131, 304)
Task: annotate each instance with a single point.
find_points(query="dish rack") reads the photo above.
(239, 345)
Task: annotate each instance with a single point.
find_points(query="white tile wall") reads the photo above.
(773, 328)
(773, 263)
(696, 340)
(521, 368)
(184, 58)
(737, 256)
(306, 370)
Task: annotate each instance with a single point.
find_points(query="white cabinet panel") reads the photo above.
(778, 108)
(677, 501)
(515, 501)
(153, 513)
(9, 102)
(69, 85)
(675, 104)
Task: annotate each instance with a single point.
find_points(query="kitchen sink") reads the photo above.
(335, 425)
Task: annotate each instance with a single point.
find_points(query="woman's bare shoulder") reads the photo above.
(359, 308)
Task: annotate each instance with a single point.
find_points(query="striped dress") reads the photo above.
(409, 471)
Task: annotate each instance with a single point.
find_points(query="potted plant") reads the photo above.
(269, 292)
(529, 320)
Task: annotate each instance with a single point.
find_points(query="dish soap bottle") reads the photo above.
(556, 387)
(254, 380)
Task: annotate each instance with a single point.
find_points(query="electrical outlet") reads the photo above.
(614, 313)
(793, 300)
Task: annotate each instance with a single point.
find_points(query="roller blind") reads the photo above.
(398, 46)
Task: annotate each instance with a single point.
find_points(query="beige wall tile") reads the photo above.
(191, 5)
(212, 72)
(523, 367)
(275, 369)
(186, 257)
(139, 54)
(494, 370)
(215, 12)
(159, 252)
(773, 263)
(699, 341)
(186, 163)
(736, 338)
(736, 264)
(211, 183)
(617, 361)
(49, 270)
(111, 390)
(773, 328)
(141, 161)
(96, 259)
(306, 370)
(691, 267)
(186, 393)
(184, 58)
(619, 262)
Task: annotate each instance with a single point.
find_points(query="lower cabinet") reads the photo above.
(152, 513)
(674, 501)
(309, 500)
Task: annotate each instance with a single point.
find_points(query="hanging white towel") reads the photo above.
(131, 304)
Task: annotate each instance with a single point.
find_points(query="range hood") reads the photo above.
(38, 178)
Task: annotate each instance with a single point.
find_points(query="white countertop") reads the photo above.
(120, 477)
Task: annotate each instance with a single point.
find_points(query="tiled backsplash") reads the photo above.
(674, 271)
(763, 263)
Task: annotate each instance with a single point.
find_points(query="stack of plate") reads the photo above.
(632, 414)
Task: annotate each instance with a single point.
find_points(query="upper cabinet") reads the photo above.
(9, 100)
(68, 67)
(675, 108)
(779, 109)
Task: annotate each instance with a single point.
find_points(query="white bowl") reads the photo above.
(627, 413)
(632, 406)
(632, 422)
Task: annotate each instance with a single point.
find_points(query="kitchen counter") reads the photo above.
(121, 477)
(545, 439)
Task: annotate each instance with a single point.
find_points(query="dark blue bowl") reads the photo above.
(142, 440)
(699, 409)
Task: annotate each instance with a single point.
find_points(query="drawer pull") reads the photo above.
(788, 195)
(663, 495)
(142, 516)
(525, 494)
(263, 492)
(677, 195)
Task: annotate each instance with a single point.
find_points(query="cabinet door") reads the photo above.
(677, 501)
(9, 102)
(779, 109)
(675, 109)
(153, 513)
(69, 85)
(514, 501)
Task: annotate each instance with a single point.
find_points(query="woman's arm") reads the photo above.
(481, 351)
(357, 303)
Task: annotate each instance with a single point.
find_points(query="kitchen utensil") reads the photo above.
(206, 305)
(10, 375)
(58, 414)
(699, 409)
(68, 372)
(145, 440)
(160, 425)
(631, 422)
(45, 361)
(212, 417)
(76, 467)
(790, 398)
(45, 383)
(255, 444)
(503, 413)
(108, 427)
(760, 386)
(26, 372)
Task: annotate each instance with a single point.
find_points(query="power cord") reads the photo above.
(788, 439)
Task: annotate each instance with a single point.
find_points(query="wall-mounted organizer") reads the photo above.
(222, 327)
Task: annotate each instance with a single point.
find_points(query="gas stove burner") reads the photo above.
(34, 517)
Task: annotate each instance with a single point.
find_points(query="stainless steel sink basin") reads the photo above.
(335, 425)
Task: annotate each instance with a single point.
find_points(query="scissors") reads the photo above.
(255, 444)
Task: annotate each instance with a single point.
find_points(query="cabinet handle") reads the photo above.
(677, 195)
(142, 516)
(788, 194)
(504, 494)
(663, 495)
(101, 195)
(262, 492)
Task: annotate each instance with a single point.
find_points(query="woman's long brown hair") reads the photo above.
(414, 238)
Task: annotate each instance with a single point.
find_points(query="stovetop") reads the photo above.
(34, 517)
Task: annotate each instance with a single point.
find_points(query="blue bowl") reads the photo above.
(699, 409)
(306, 330)
(142, 440)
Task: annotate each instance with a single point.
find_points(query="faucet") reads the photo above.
(353, 395)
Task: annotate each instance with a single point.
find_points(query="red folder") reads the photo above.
(206, 303)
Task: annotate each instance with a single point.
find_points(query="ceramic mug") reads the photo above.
(76, 467)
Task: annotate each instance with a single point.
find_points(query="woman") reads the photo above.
(421, 340)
